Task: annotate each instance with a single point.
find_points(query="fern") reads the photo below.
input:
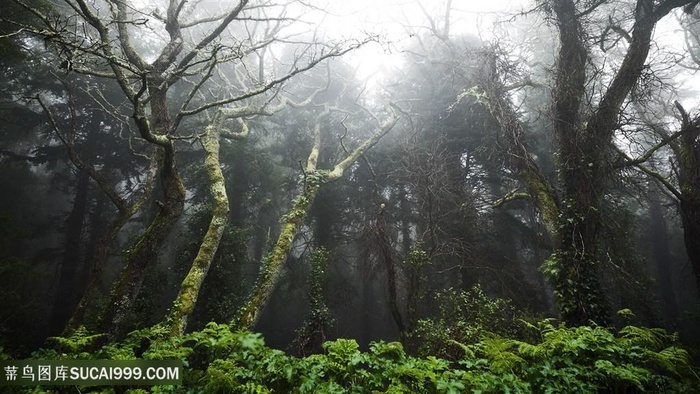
(78, 341)
(587, 359)
(497, 351)
(252, 388)
(648, 337)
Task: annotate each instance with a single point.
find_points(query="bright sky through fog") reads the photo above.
(398, 20)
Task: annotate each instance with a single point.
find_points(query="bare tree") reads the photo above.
(153, 50)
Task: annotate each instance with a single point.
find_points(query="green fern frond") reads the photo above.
(468, 353)
(497, 350)
(652, 338)
(78, 341)
(673, 359)
(252, 388)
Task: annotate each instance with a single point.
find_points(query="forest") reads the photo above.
(307, 196)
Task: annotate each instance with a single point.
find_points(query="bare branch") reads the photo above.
(340, 167)
(270, 85)
(650, 152)
(213, 35)
(112, 194)
(124, 37)
(655, 175)
(590, 9)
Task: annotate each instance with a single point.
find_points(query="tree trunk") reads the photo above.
(575, 278)
(688, 157)
(388, 255)
(184, 303)
(273, 263)
(100, 257)
(313, 179)
(66, 295)
(145, 251)
(583, 160)
(583, 154)
(520, 161)
(690, 216)
(661, 254)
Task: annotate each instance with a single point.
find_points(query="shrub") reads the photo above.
(587, 359)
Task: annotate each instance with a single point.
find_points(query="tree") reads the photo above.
(102, 158)
(181, 48)
(312, 179)
(683, 181)
(584, 125)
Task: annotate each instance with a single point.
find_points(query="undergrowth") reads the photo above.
(587, 359)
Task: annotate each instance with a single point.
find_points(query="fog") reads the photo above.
(420, 172)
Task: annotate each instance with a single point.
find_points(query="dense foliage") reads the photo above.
(559, 359)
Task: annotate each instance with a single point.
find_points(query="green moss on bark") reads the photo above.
(274, 262)
(184, 303)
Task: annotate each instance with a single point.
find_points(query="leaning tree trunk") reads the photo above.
(144, 253)
(313, 179)
(184, 303)
(273, 263)
(520, 161)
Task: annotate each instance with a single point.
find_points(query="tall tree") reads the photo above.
(311, 180)
(683, 179)
(584, 128)
(187, 51)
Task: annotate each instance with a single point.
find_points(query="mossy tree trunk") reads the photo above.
(584, 154)
(100, 257)
(144, 253)
(127, 209)
(312, 180)
(186, 299)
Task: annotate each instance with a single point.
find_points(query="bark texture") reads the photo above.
(584, 136)
(312, 180)
(184, 303)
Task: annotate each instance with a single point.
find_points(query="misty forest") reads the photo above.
(300, 196)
